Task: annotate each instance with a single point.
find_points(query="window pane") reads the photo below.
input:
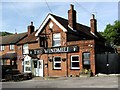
(56, 36)
(86, 62)
(11, 47)
(57, 59)
(4, 62)
(27, 69)
(56, 43)
(75, 64)
(86, 55)
(1, 48)
(42, 41)
(75, 58)
(57, 64)
(25, 46)
(56, 39)
(27, 62)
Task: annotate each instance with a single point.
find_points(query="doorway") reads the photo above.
(38, 67)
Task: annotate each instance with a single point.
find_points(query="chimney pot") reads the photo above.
(32, 23)
(71, 6)
(93, 16)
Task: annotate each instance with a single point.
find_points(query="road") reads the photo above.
(66, 82)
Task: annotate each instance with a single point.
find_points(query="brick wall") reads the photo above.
(84, 46)
(20, 58)
(7, 50)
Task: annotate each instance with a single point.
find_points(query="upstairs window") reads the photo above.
(11, 47)
(43, 42)
(56, 39)
(2, 48)
(57, 62)
(75, 62)
(25, 49)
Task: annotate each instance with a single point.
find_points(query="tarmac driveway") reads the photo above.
(66, 82)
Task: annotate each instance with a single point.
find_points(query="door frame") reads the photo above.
(38, 68)
(42, 68)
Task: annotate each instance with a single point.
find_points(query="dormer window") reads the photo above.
(25, 49)
(2, 48)
(11, 47)
(56, 39)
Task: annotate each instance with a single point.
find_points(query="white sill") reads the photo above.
(57, 68)
(75, 68)
(56, 46)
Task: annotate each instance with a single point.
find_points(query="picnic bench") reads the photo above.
(22, 76)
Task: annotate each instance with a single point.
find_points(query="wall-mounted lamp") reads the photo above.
(50, 29)
(63, 59)
(50, 59)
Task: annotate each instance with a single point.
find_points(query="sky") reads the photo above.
(16, 15)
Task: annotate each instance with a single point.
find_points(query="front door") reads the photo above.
(35, 68)
(38, 68)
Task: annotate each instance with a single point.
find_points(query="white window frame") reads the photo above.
(54, 62)
(27, 65)
(2, 47)
(75, 61)
(56, 39)
(11, 46)
(25, 49)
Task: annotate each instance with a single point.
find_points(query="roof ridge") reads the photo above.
(67, 20)
(58, 16)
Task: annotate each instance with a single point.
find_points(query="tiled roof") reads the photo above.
(11, 56)
(12, 39)
(29, 39)
(81, 29)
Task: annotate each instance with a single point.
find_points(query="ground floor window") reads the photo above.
(86, 60)
(27, 66)
(4, 62)
(57, 63)
(75, 62)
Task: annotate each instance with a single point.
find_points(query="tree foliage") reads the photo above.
(112, 33)
(5, 33)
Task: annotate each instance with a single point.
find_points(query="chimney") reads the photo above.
(15, 31)
(72, 17)
(93, 24)
(31, 28)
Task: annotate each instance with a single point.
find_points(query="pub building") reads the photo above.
(66, 47)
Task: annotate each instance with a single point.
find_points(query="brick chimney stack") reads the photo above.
(31, 28)
(93, 24)
(72, 17)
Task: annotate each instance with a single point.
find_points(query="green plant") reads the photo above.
(86, 72)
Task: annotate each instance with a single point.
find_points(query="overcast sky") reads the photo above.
(18, 14)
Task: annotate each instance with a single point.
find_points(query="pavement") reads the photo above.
(66, 82)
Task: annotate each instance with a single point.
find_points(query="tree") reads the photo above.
(5, 33)
(112, 33)
(117, 38)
